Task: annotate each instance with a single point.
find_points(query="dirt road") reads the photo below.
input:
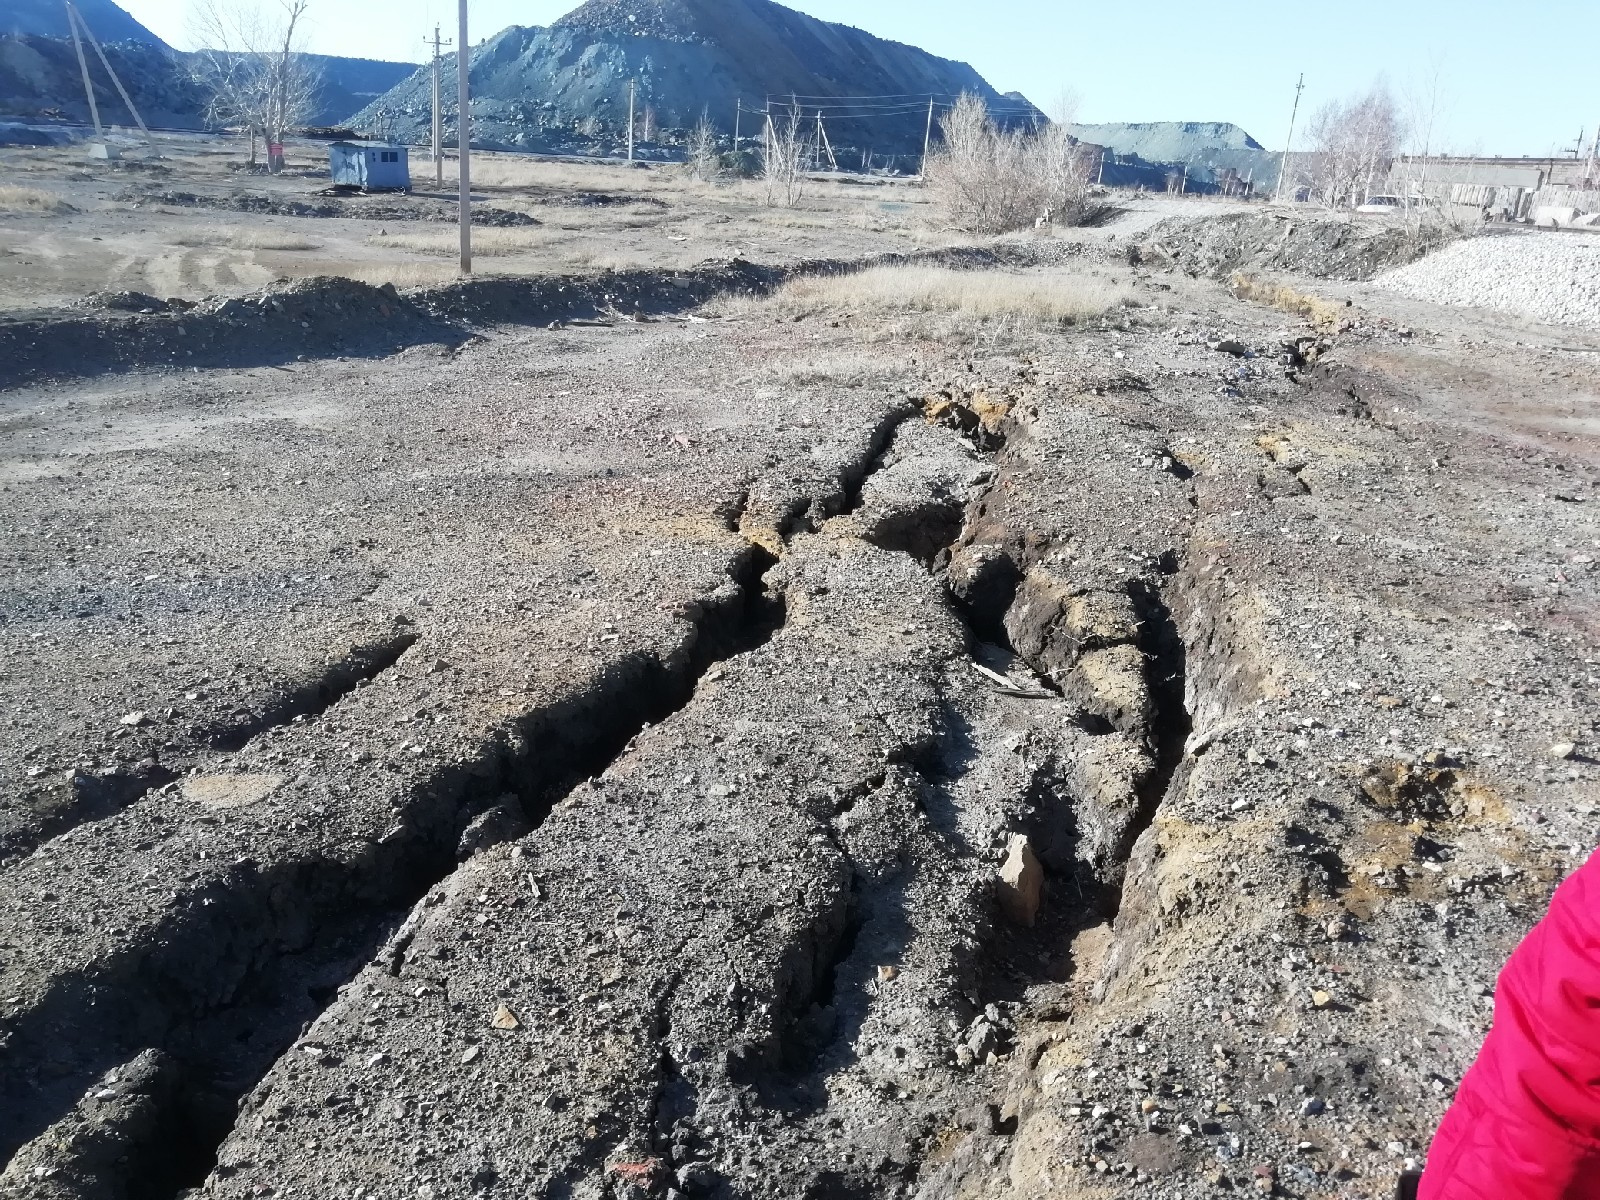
(752, 758)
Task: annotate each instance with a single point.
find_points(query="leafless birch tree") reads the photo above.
(1353, 143)
(253, 69)
(783, 154)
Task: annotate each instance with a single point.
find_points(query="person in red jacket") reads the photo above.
(1525, 1123)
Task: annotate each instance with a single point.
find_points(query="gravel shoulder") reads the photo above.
(1553, 278)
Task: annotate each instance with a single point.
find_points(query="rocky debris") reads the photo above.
(1021, 878)
(1554, 278)
(329, 316)
(1321, 835)
(1321, 247)
(108, 1147)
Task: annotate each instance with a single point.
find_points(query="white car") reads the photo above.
(1393, 204)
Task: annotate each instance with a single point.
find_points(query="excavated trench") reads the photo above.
(222, 1051)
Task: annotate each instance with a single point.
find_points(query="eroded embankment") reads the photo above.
(1320, 247)
(326, 317)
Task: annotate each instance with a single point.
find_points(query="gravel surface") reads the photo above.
(1544, 277)
(704, 775)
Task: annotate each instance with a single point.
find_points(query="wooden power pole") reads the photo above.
(464, 136)
(438, 111)
(1283, 167)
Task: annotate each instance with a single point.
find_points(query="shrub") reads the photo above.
(993, 180)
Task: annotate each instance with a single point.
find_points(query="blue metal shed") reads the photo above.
(370, 166)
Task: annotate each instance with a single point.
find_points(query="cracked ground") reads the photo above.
(765, 758)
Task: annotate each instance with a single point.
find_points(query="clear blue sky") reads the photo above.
(1513, 78)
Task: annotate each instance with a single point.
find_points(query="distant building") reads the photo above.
(369, 166)
(1508, 188)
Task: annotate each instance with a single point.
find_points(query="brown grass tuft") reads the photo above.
(31, 200)
(1323, 314)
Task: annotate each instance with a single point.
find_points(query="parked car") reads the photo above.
(1393, 204)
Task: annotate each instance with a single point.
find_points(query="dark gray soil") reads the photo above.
(743, 758)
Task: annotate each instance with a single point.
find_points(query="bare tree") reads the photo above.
(701, 149)
(1353, 144)
(253, 69)
(783, 154)
(991, 180)
(647, 124)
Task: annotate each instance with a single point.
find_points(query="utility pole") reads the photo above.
(827, 146)
(83, 66)
(75, 20)
(630, 119)
(464, 135)
(927, 138)
(438, 111)
(738, 111)
(1283, 167)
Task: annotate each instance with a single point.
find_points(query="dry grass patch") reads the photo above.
(402, 275)
(489, 242)
(1323, 314)
(244, 239)
(31, 200)
(1054, 298)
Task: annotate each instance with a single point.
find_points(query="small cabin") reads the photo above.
(369, 166)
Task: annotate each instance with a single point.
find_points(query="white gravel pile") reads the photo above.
(1542, 276)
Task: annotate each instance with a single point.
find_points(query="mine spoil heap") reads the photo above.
(533, 86)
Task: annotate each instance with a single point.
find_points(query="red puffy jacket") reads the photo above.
(1525, 1124)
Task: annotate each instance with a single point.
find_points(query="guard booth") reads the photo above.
(369, 166)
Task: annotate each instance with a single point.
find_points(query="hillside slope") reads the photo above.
(534, 85)
(48, 18)
(39, 75)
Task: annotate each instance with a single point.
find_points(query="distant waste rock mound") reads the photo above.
(48, 18)
(39, 70)
(1211, 155)
(536, 88)
(39, 77)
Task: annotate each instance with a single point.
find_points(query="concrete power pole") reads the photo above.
(927, 138)
(464, 136)
(75, 20)
(83, 66)
(1283, 167)
(438, 111)
(630, 119)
